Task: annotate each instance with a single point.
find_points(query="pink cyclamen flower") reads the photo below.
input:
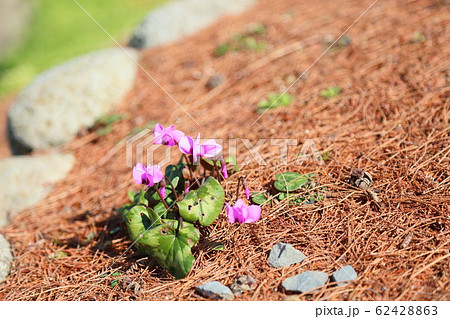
(241, 213)
(247, 193)
(149, 175)
(167, 136)
(189, 146)
(224, 168)
(163, 192)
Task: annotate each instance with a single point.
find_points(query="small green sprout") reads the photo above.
(90, 237)
(105, 122)
(244, 41)
(331, 92)
(274, 101)
(57, 255)
(326, 155)
(419, 37)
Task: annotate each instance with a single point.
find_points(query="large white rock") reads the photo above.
(179, 18)
(68, 97)
(25, 180)
(6, 258)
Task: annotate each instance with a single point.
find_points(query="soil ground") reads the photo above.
(391, 119)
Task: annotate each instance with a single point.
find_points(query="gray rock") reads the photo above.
(214, 81)
(25, 180)
(283, 255)
(15, 16)
(305, 281)
(6, 258)
(61, 101)
(215, 290)
(343, 275)
(176, 19)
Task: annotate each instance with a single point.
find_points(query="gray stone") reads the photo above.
(344, 275)
(15, 16)
(61, 101)
(6, 258)
(25, 180)
(305, 281)
(215, 290)
(176, 19)
(283, 255)
(214, 81)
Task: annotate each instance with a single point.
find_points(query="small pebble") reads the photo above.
(215, 290)
(305, 281)
(283, 255)
(214, 81)
(344, 275)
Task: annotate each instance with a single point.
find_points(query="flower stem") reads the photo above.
(215, 170)
(189, 165)
(160, 196)
(237, 188)
(173, 188)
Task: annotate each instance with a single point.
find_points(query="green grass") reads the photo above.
(61, 30)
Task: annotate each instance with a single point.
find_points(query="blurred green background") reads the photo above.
(60, 30)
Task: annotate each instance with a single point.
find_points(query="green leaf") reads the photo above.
(282, 196)
(161, 210)
(140, 198)
(204, 204)
(289, 181)
(259, 198)
(170, 246)
(138, 220)
(175, 174)
(131, 195)
(331, 92)
(114, 283)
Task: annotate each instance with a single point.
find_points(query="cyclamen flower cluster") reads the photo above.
(152, 174)
(187, 144)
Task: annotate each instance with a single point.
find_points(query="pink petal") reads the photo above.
(253, 213)
(239, 203)
(247, 193)
(163, 192)
(230, 212)
(158, 128)
(154, 174)
(186, 145)
(224, 171)
(177, 135)
(197, 151)
(139, 171)
(211, 148)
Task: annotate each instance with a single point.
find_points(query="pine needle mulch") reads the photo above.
(391, 119)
